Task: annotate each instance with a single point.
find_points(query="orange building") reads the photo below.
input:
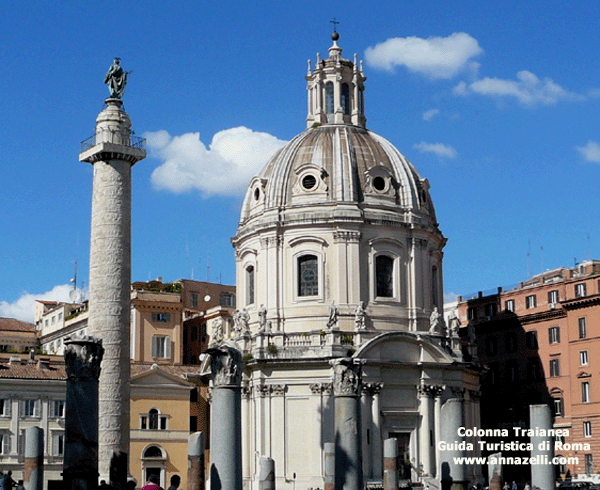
(539, 342)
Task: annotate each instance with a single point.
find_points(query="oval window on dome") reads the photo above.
(309, 182)
(256, 194)
(379, 183)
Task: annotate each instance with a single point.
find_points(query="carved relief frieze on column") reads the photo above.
(209, 395)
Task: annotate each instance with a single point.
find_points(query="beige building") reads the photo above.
(17, 336)
(164, 402)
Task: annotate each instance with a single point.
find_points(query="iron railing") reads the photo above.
(116, 137)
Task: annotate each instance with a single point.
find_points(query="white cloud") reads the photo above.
(439, 149)
(23, 307)
(450, 297)
(590, 152)
(434, 57)
(430, 114)
(233, 157)
(528, 89)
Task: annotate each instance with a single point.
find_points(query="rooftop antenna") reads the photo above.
(588, 250)
(528, 259)
(75, 295)
(207, 267)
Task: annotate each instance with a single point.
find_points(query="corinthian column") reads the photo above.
(347, 387)
(82, 362)
(226, 417)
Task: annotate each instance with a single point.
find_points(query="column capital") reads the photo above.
(83, 357)
(278, 389)
(347, 377)
(458, 392)
(225, 365)
(371, 389)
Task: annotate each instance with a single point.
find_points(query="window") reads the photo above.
(308, 276)
(587, 429)
(530, 301)
(58, 444)
(554, 335)
(491, 346)
(384, 273)
(4, 443)
(30, 408)
(161, 317)
(554, 368)
(58, 408)
(194, 300)
(511, 342)
(154, 420)
(509, 305)
(329, 97)
(531, 339)
(250, 285)
(553, 296)
(4, 407)
(558, 406)
(153, 452)
(533, 371)
(589, 464)
(345, 98)
(512, 372)
(227, 300)
(585, 392)
(471, 313)
(490, 310)
(583, 357)
(582, 328)
(161, 347)
(193, 423)
(580, 290)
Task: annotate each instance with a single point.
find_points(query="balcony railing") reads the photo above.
(115, 137)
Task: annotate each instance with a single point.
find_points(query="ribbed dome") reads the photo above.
(339, 163)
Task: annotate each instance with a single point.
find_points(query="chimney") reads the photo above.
(14, 360)
(43, 363)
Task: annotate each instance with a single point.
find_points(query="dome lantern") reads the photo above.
(335, 90)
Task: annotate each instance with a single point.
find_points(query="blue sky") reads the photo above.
(496, 103)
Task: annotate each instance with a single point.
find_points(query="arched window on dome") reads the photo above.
(384, 276)
(250, 285)
(345, 98)
(329, 102)
(308, 276)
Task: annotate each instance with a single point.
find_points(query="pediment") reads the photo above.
(584, 374)
(155, 377)
(403, 347)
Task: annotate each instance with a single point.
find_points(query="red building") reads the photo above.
(540, 342)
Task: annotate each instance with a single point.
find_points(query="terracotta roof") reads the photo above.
(54, 370)
(14, 325)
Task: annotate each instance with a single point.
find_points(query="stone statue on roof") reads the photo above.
(116, 79)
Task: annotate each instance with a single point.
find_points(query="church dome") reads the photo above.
(340, 163)
(338, 223)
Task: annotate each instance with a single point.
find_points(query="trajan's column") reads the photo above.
(112, 151)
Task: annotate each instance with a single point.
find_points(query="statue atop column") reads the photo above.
(116, 79)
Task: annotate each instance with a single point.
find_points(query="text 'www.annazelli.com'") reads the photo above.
(541, 459)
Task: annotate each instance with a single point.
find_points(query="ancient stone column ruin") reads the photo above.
(226, 417)
(347, 386)
(82, 361)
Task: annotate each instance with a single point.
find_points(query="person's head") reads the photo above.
(154, 479)
(9, 473)
(175, 481)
